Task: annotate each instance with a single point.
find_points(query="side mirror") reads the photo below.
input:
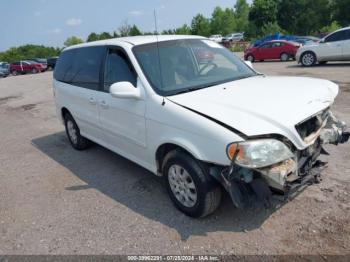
(125, 90)
(248, 63)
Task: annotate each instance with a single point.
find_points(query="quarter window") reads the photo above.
(118, 69)
(80, 67)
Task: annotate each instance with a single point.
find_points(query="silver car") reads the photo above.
(4, 69)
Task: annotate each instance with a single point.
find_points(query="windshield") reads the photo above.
(178, 66)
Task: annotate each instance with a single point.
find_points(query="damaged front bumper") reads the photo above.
(287, 176)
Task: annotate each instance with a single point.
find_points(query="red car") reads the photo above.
(23, 67)
(276, 49)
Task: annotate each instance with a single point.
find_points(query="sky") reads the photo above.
(51, 22)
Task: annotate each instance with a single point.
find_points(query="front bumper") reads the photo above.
(285, 177)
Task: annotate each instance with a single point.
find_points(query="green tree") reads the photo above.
(223, 21)
(28, 51)
(134, 31)
(341, 12)
(241, 10)
(271, 28)
(92, 37)
(263, 12)
(303, 16)
(124, 29)
(330, 28)
(200, 25)
(73, 40)
(105, 35)
(183, 30)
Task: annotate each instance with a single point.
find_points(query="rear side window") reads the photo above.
(80, 67)
(338, 36)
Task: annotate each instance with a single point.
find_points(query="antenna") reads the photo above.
(159, 64)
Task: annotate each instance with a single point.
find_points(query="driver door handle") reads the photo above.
(104, 104)
(92, 101)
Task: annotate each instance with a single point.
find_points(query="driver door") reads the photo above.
(122, 119)
(331, 47)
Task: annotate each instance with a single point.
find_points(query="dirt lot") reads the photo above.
(54, 200)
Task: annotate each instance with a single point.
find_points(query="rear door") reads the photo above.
(346, 45)
(79, 69)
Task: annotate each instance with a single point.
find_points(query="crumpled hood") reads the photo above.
(263, 105)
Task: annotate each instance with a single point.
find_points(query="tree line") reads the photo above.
(262, 17)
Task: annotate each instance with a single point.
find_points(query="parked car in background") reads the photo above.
(234, 37)
(303, 41)
(42, 61)
(333, 47)
(23, 67)
(4, 69)
(51, 63)
(216, 38)
(277, 49)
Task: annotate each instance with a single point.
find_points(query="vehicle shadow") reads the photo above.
(141, 191)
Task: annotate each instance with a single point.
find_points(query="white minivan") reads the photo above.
(189, 110)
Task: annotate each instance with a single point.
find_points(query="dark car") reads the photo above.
(4, 69)
(23, 67)
(277, 49)
(51, 63)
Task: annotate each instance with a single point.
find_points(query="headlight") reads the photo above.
(258, 153)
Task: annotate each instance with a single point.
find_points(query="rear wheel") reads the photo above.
(308, 59)
(250, 58)
(14, 72)
(190, 188)
(75, 138)
(34, 71)
(284, 57)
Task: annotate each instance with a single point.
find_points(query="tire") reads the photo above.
(284, 57)
(308, 59)
(34, 71)
(250, 58)
(189, 186)
(77, 141)
(49, 68)
(14, 72)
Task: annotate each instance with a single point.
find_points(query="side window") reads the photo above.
(347, 34)
(268, 45)
(338, 36)
(118, 69)
(80, 67)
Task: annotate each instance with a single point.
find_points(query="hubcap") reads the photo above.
(250, 58)
(182, 186)
(284, 57)
(72, 132)
(308, 59)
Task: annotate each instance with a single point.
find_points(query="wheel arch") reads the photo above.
(166, 147)
(308, 51)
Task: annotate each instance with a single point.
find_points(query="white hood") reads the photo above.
(263, 105)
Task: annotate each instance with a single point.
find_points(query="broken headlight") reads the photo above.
(258, 153)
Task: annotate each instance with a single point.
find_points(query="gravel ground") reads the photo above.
(55, 200)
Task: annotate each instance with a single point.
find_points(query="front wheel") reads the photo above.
(308, 59)
(14, 72)
(250, 58)
(34, 71)
(190, 188)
